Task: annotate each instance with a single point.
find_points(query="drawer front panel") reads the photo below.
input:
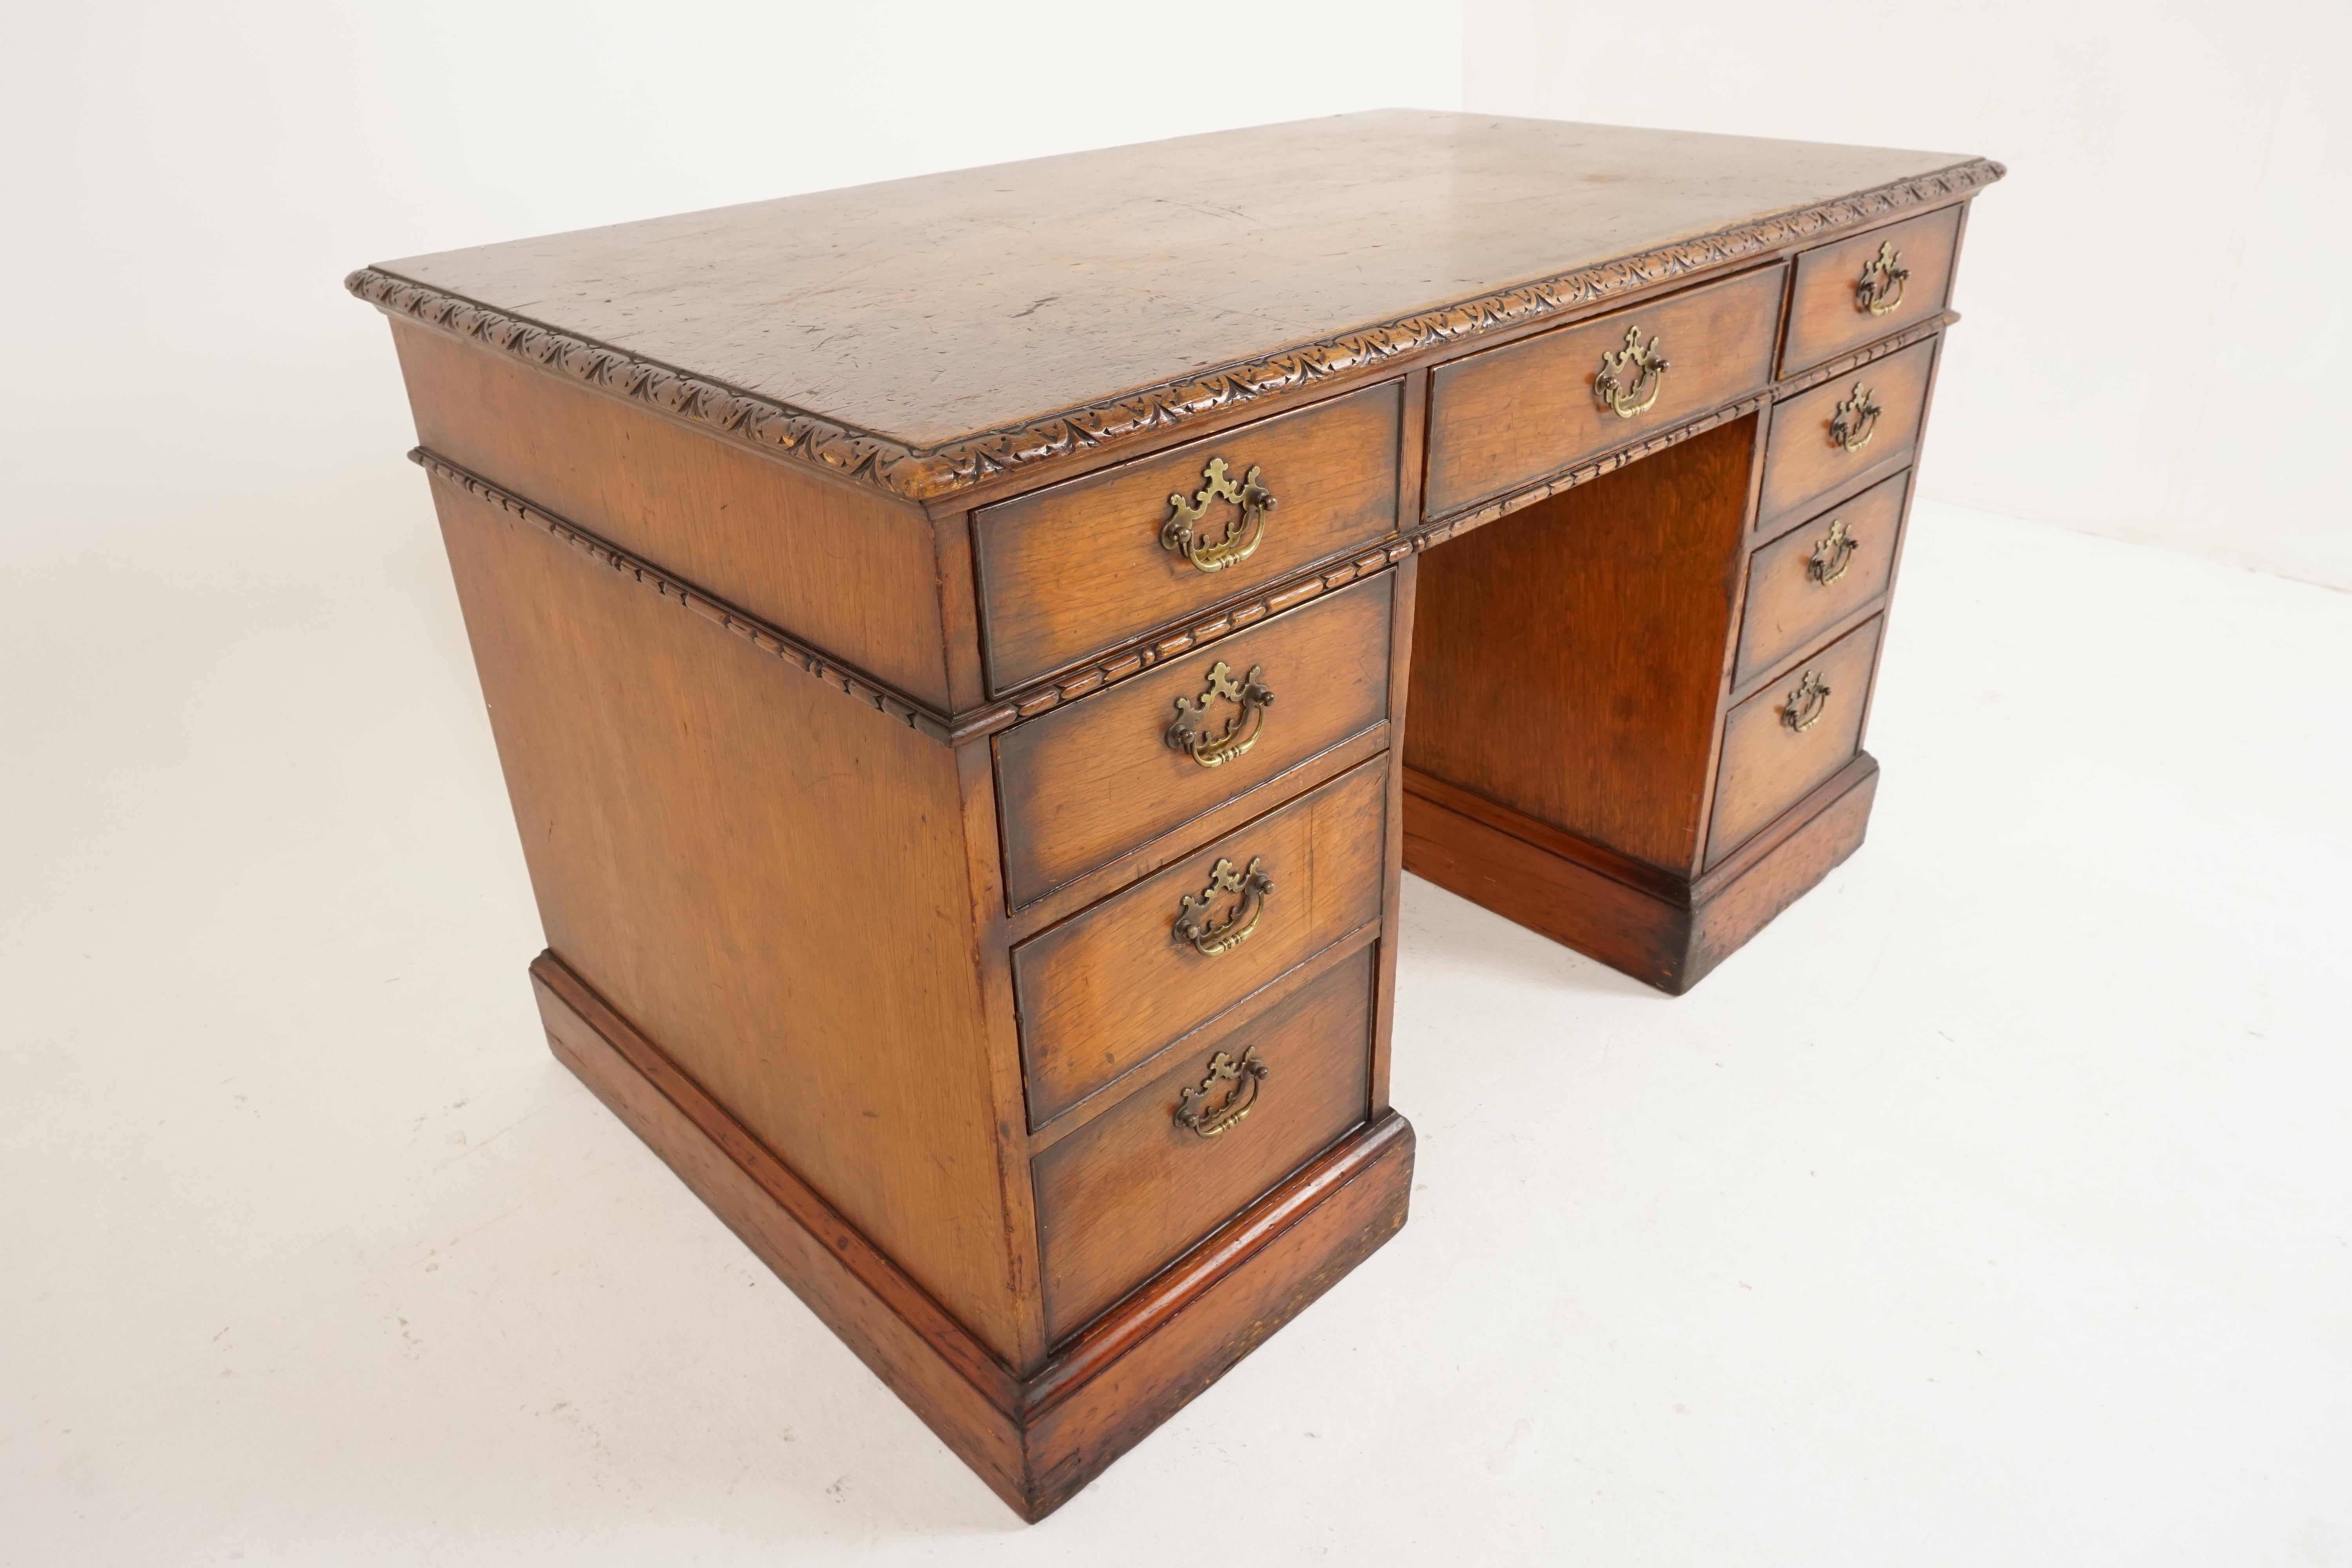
(1769, 763)
(1807, 581)
(1079, 568)
(1106, 774)
(1828, 436)
(1866, 288)
(1508, 416)
(1132, 1190)
(1106, 988)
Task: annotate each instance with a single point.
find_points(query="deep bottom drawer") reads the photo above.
(1789, 737)
(1126, 1195)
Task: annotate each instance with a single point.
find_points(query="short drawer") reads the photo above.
(1129, 1192)
(1103, 989)
(1841, 431)
(1508, 416)
(1811, 578)
(1792, 736)
(1861, 289)
(1081, 567)
(1091, 780)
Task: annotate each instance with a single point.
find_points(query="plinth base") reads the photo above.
(1652, 925)
(1034, 1439)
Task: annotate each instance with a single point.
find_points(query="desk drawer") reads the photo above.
(1827, 437)
(1508, 416)
(1854, 291)
(1103, 989)
(1092, 779)
(1769, 762)
(1078, 568)
(1129, 1192)
(1807, 581)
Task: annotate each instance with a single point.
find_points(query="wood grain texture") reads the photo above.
(1803, 466)
(1502, 418)
(1134, 1188)
(1086, 781)
(765, 878)
(1070, 571)
(918, 336)
(1034, 1440)
(1766, 766)
(1823, 318)
(1103, 989)
(846, 571)
(1787, 605)
(1567, 662)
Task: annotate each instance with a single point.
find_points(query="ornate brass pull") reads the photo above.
(1240, 534)
(1631, 395)
(1880, 290)
(1190, 733)
(1244, 1075)
(1807, 703)
(1856, 420)
(1833, 553)
(1205, 932)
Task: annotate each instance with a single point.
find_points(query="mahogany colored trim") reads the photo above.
(921, 474)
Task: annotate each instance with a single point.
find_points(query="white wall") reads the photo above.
(2155, 343)
(185, 186)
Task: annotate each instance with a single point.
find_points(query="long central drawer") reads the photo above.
(1101, 992)
(1510, 415)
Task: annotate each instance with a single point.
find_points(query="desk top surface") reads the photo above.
(924, 333)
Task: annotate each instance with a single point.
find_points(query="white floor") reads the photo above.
(1994, 1207)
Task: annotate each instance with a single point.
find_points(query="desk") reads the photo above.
(947, 643)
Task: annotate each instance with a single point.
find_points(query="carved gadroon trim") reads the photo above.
(718, 612)
(925, 473)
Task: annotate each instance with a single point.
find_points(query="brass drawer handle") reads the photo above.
(1880, 290)
(1241, 534)
(1191, 732)
(1244, 1075)
(1206, 933)
(1833, 553)
(1856, 420)
(1629, 396)
(1807, 703)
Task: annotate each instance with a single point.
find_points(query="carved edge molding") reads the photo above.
(927, 474)
(1135, 659)
(718, 612)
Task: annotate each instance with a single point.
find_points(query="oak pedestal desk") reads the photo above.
(948, 645)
